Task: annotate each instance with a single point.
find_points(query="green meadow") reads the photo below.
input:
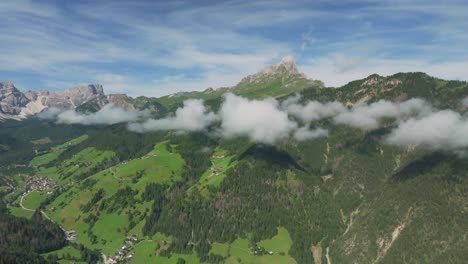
(240, 252)
(20, 212)
(214, 176)
(158, 166)
(147, 252)
(56, 151)
(34, 199)
(83, 162)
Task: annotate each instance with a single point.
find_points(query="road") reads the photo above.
(21, 202)
(27, 209)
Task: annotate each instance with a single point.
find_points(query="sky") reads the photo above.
(155, 48)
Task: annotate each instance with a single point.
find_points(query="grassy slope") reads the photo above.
(239, 250)
(145, 252)
(20, 212)
(83, 162)
(34, 199)
(56, 151)
(64, 253)
(160, 166)
(209, 178)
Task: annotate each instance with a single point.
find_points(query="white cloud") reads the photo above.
(193, 116)
(108, 115)
(304, 133)
(50, 113)
(261, 121)
(312, 110)
(369, 116)
(442, 130)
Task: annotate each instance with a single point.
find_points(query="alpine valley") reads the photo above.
(323, 176)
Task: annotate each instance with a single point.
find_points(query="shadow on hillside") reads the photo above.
(420, 166)
(270, 154)
(452, 168)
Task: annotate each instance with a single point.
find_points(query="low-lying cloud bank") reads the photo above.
(312, 110)
(261, 121)
(368, 117)
(108, 115)
(416, 122)
(442, 130)
(193, 116)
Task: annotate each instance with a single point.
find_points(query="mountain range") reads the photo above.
(276, 169)
(14, 104)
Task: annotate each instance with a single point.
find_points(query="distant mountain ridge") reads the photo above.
(15, 104)
(277, 80)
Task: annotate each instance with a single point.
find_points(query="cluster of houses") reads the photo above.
(41, 184)
(216, 171)
(125, 254)
(260, 251)
(71, 235)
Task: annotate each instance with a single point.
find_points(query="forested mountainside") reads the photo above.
(345, 196)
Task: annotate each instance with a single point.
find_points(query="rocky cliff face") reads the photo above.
(74, 97)
(11, 99)
(15, 104)
(286, 68)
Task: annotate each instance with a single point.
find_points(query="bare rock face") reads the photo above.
(74, 97)
(120, 101)
(83, 93)
(11, 99)
(286, 68)
(15, 104)
(96, 103)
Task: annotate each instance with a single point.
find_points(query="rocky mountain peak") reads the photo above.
(11, 99)
(16, 104)
(86, 90)
(7, 85)
(285, 68)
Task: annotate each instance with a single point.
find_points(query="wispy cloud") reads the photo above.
(193, 116)
(108, 115)
(198, 45)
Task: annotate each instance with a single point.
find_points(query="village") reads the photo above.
(125, 253)
(41, 184)
(45, 184)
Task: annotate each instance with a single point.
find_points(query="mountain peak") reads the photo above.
(7, 85)
(285, 68)
(16, 104)
(11, 99)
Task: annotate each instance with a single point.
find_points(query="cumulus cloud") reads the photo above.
(108, 115)
(261, 121)
(305, 133)
(193, 116)
(312, 110)
(442, 130)
(368, 117)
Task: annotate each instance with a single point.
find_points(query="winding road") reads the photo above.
(27, 209)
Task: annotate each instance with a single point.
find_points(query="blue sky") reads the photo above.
(155, 48)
